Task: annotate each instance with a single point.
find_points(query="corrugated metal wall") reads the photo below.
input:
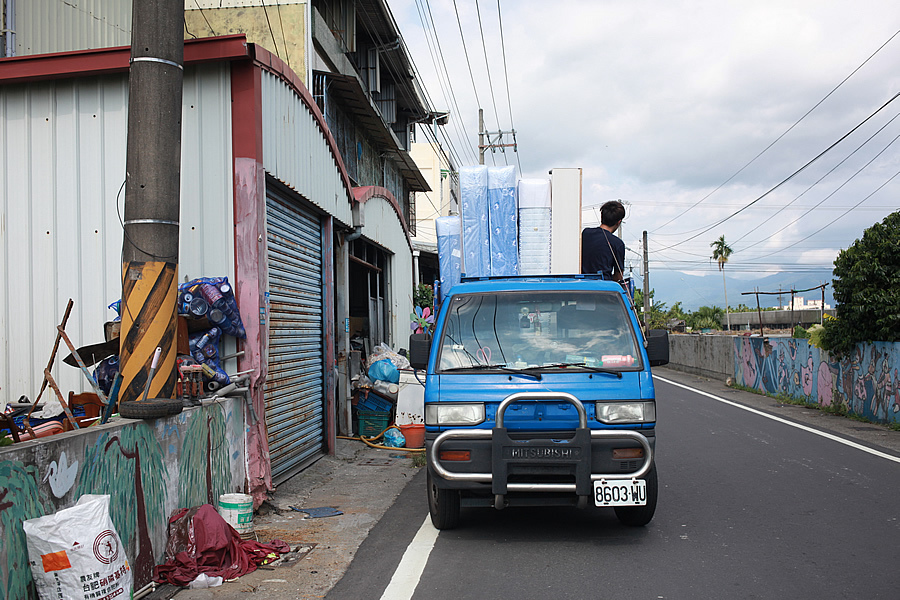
(295, 387)
(295, 151)
(62, 163)
(44, 26)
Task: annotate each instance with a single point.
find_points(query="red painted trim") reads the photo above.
(279, 68)
(363, 193)
(82, 63)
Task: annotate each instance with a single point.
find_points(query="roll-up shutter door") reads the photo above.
(295, 399)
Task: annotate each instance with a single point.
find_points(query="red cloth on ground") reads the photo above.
(201, 541)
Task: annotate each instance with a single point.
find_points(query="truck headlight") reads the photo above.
(626, 412)
(439, 415)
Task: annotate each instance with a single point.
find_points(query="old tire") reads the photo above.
(638, 516)
(443, 505)
(152, 408)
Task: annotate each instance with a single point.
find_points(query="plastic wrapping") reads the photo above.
(473, 188)
(213, 298)
(504, 234)
(449, 251)
(534, 226)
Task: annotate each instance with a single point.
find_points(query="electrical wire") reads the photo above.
(829, 172)
(764, 150)
(789, 177)
(466, 52)
(271, 33)
(839, 188)
(506, 78)
(454, 117)
(487, 67)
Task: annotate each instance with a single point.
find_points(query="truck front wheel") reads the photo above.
(638, 516)
(443, 505)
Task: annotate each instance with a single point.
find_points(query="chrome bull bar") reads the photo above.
(489, 434)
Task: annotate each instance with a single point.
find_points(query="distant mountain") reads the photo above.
(695, 291)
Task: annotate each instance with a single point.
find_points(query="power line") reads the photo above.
(839, 217)
(487, 66)
(466, 52)
(440, 54)
(506, 78)
(789, 177)
(764, 150)
(839, 188)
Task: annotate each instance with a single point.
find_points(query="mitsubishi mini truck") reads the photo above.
(538, 392)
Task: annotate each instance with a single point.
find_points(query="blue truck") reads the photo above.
(538, 392)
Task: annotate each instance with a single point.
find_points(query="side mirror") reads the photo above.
(658, 347)
(420, 349)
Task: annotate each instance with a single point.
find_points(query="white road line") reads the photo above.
(409, 571)
(823, 434)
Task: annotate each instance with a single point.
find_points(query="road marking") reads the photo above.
(823, 434)
(409, 571)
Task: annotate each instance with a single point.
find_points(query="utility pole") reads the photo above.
(646, 285)
(492, 145)
(152, 198)
(481, 145)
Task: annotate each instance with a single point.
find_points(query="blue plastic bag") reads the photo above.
(384, 370)
(394, 439)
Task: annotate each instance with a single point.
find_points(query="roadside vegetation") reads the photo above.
(837, 409)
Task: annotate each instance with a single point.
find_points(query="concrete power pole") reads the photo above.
(646, 285)
(152, 198)
(481, 145)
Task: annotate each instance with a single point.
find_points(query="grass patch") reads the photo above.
(419, 459)
(835, 409)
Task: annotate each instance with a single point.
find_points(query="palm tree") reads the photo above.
(721, 252)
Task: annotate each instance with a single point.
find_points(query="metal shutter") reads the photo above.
(295, 398)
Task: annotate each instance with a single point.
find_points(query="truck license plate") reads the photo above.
(620, 492)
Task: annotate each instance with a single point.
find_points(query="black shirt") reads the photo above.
(601, 252)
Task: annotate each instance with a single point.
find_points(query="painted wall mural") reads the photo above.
(140, 464)
(128, 465)
(867, 382)
(20, 499)
(205, 472)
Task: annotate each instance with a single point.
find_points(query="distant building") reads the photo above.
(799, 303)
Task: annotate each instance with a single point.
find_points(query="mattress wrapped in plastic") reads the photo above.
(473, 191)
(449, 252)
(534, 226)
(504, 234)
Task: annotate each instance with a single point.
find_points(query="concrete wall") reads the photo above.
(185, 460)
(707, 355)
(866, 382)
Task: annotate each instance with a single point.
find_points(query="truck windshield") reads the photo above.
(527, 330)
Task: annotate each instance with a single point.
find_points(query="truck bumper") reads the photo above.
(499, 466)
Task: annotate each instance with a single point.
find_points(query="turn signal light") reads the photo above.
(458, 455)
(626, 453)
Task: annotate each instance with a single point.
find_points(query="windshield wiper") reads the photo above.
(504, 368)
(576, 364)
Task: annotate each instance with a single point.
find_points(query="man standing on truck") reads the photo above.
(602, 251)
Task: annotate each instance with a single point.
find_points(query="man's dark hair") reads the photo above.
(612, 213)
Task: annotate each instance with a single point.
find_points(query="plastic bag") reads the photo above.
(394, 439)
(76, 553)
(384, 370)
(383, 351)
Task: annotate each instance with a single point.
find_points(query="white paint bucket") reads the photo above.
(237, 510)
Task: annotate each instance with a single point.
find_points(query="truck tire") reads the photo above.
(443, 505)
(638, 516)
(152, 408)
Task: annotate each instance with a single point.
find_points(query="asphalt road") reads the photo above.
(750, 506)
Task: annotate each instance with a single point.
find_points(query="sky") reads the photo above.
(706, 118)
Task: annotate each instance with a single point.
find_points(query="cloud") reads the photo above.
(665, 103)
